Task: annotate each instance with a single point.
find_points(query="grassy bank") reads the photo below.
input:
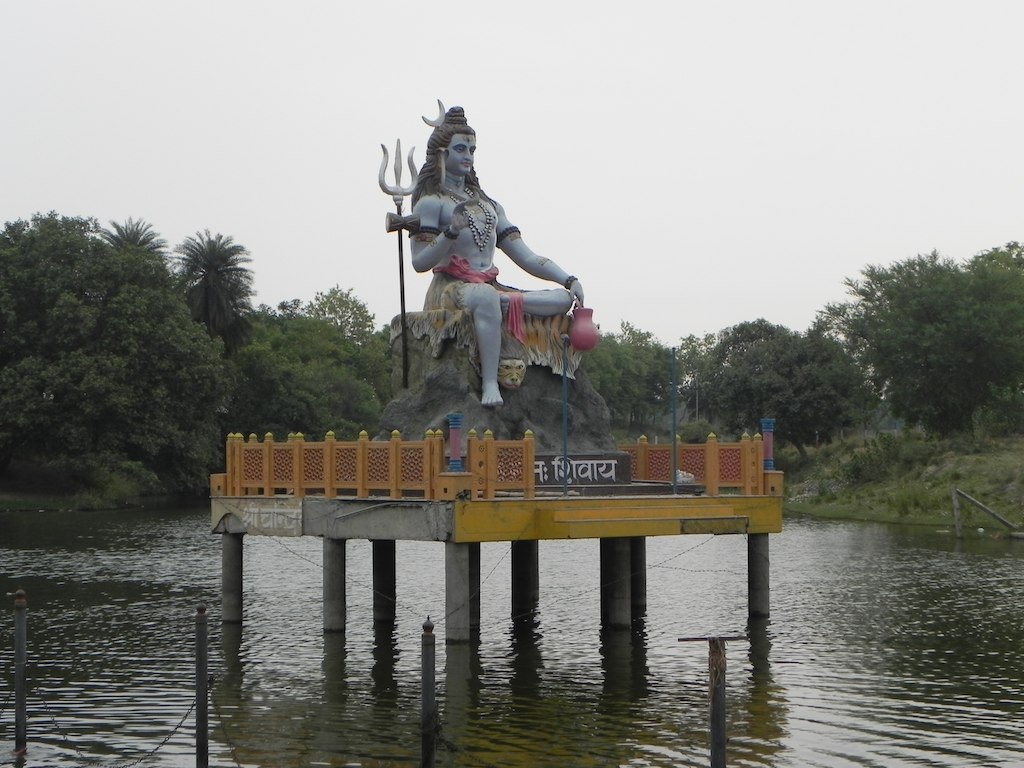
(26, 485)
(907, 479)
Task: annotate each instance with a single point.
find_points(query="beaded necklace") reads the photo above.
(481, 232)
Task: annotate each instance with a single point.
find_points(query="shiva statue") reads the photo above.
(460, 227)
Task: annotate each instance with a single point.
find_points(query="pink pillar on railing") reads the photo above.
(455, 442)
(768, 437)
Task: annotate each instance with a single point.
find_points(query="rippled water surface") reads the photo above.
(886, 647)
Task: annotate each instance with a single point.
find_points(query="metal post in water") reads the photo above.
(202, 690)
(20, 688)
(428, 714)
(716, 692)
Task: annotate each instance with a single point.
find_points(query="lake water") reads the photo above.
(887, 646)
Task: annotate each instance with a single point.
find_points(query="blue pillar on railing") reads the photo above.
(768, 440)
(455, 442)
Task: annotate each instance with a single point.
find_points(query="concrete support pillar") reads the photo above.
(231, 578)
(334, 585)
(384, 583)
(461, 591)
(525, 577)
(758, 581)
(638, 577)
(474, 588)
(615, 583)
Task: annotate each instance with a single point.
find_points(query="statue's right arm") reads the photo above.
(429, 248)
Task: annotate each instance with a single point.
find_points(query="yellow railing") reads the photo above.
(734, 467)
(396, 467)
(418, 468)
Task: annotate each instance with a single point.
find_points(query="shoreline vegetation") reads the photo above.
(903, 478)
(907, 478)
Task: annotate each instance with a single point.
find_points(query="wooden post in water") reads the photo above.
(716, 694)
(202, 690)
(428, 711)
(20, 688)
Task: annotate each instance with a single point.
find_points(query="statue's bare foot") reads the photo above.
(491, 395)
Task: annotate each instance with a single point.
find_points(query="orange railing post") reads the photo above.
(295, 444)
(756, 487)
(529, 452)
(268, 442)
(476, 462)
(329, 458)
(711, 464)
(642, 458)
(746, 476)
(362, 481)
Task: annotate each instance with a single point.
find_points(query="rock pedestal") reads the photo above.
(444, 378)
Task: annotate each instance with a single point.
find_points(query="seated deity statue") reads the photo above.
(460, 228)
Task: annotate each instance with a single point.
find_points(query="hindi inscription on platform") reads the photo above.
(586, 469)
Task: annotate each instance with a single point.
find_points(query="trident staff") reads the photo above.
(395, 222)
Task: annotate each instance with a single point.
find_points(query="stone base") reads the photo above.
(443, 379)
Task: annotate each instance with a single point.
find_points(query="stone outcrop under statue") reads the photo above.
(444, 377)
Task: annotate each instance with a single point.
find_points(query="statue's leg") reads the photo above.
(484, 304)
(546, 303)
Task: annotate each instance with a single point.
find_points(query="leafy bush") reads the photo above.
(695, 431)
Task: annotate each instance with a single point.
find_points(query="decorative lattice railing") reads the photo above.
(734, 467)
(397, 468)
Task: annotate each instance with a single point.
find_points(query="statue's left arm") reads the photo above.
(510, 241)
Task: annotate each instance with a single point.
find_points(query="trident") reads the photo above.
(396, 222)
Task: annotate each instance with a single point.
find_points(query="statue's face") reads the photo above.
(461, 149)
(511, 372)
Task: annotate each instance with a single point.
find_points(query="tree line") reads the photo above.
(125, 362)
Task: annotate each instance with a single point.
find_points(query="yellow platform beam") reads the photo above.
(582, 517)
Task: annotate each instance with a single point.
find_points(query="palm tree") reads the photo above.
(218, 288)
(134, 234)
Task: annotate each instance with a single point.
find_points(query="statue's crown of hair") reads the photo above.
(456, 116)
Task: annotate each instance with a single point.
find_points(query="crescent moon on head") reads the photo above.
(440, 116)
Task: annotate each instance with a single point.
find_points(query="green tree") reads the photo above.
(218, 286)
(940, 339)
(134, 234)
(694, 369)
(632, 371)
(300, 374)
(346, 312)
(102, 370)
(805, 381)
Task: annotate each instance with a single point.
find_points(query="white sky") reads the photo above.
(697, 164)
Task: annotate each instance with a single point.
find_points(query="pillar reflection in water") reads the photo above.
(462, 676)
(765, 705)
(385, 658)
(527, 661)
(335, 668)
(624, 663)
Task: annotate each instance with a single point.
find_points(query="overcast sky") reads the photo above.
(696, 164)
